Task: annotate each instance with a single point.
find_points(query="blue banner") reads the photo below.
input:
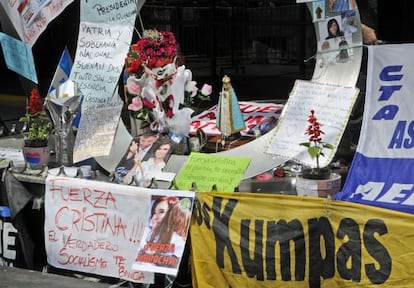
(382, 171)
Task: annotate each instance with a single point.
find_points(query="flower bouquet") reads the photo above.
(160, 93)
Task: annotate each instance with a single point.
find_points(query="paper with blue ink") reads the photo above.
(18, 56)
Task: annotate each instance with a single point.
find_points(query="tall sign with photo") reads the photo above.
(105, 33)
(382, 170)
(103, 228)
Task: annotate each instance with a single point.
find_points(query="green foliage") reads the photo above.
(39, 128)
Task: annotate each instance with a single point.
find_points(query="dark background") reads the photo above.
(261, 45)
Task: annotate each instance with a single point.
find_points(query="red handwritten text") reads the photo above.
(91, 197)
(85, 245)
(124, 273)
(81, 260)
(87, 221)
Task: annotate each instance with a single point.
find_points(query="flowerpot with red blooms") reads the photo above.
(36, 149)
(316, 181)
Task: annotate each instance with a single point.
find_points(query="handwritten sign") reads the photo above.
(30, 18)
(96, 131)
(207, 170)
(253, 114)
(97, 227)
(332, 105)
(111, 11)
(18, 56)
(99, 59)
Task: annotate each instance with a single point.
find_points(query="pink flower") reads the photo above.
(206, 89)
(133, 87)
(136, 104)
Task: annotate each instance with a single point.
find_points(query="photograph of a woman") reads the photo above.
(144, 171)
(139, 150)
(166, 233)
(333, 28)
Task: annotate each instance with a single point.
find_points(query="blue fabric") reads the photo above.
(381, 182)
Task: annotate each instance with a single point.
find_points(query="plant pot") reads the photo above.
(318, 187)
(314, 173)
(36, 157)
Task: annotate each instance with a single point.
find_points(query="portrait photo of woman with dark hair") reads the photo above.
(333, 28)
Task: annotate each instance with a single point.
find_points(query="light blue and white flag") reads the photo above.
(382, 171)
(62, 71)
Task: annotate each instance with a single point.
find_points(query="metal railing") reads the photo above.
(242, 39)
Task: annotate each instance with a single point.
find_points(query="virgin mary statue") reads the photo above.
(229, 118)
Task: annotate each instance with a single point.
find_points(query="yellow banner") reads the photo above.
(263, 240)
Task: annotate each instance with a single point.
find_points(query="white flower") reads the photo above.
(191, 87)
(180, 123)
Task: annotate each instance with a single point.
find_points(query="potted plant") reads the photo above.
(36, 142)
(317, 181)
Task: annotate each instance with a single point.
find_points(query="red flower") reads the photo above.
(279, 172)
(148, 103)
(156, 48)
(314, 129)
(135, 67)
(35, 105)
(315, 145)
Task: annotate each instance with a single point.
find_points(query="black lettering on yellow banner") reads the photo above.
(221, 233)
(305, 250)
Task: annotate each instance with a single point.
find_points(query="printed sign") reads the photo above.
(382, 169)
(264, 240)
(165, 235)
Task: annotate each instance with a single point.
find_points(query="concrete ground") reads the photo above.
(18, 278)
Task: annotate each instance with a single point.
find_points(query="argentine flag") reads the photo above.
(62, 71)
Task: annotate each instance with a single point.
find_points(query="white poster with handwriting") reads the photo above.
(332, 105)
(30, 18)
(109, 12)
(96, 131)
(97, 227)
(99, 60)
(105, 33)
